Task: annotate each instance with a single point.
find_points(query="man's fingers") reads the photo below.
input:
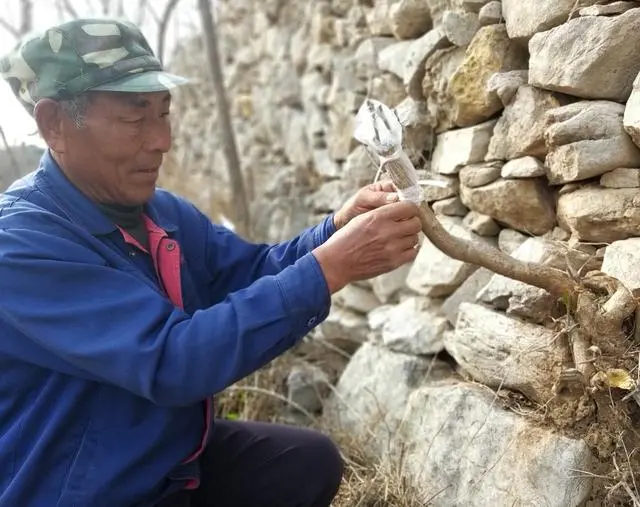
(372, 199)
(407, 242)
(386, 186)
(406, 256)
(409, 227)
(401, 210)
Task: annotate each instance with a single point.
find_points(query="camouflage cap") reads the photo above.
(82, 55)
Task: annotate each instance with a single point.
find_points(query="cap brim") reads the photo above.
(151, 81)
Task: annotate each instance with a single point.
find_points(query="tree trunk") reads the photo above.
(241, 219)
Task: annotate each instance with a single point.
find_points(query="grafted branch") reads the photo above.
(550, 279)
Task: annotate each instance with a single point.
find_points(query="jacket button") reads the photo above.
(171, 246)
(312, 321)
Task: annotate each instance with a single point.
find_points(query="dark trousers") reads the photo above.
(250, 464)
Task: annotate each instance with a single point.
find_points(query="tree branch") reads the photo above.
(12, 157)
(162, 27)
(142, 9)
(66, 6)
(240, 203)
(26, 21)
(554, 281)
(9, 28)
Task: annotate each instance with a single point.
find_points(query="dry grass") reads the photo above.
(262, 396)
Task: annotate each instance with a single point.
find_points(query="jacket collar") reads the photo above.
(81, 209)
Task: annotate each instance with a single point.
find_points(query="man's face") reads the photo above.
(116, 156)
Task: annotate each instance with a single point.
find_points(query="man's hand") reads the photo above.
(371, 244)
(366, 199)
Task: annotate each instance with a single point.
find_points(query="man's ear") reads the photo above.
(49, 118)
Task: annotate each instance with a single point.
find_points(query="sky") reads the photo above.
(18, 126)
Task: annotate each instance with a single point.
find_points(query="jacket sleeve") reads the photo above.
(63, 308)
(234, 263)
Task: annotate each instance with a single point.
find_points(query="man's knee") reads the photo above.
(324, 453)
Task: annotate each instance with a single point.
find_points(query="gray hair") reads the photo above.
(76, 109)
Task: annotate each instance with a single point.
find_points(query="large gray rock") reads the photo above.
(439, 68)
(522, 204)
(452, 207)
(387, 88)
(388, 285)
(344, 329)
(622, 261)
(456, 80)
(524, 19)
(391, 58)
(559, 61)
(329, 196)
(370, 405)
(504, 85)
(622, 177)
(460, 147)
(524, 167)
(520, 130)
(435, 274)
(440, 187)
(593, 213)
(414, 64)
(587, 139)
(415, 326)
(366, 56)
(357, 299)
(477, 175)
(632, 112)
(410, 18)
(466, 293)
(489, 52)
(491, 13)
(608, 10)
(460, 27)
(501, 351)
(510, 240)
(459, 443)
(417, 136)
(358, 168)
(378, 17)
(482, 225)
(307, 386)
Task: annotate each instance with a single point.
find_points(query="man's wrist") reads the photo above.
(332, 276)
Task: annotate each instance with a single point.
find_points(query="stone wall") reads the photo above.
(529, 112)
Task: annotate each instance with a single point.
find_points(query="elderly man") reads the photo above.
(123, 309)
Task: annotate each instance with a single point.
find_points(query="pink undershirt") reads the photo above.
(166, 254)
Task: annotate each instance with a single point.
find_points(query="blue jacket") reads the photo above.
(102, 378)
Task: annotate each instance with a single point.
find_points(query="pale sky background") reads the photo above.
(19, 127)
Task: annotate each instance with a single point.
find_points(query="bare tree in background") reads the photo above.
(240, 202)
(12, 157)
(26, 20)
(25, 25)
(163, 25)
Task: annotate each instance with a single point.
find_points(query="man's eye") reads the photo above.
(135, 122)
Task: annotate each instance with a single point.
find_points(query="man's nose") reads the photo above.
(158, 136)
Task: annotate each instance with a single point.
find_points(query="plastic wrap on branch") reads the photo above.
(380, 130)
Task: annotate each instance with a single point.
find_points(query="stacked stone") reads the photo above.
(529, 112)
